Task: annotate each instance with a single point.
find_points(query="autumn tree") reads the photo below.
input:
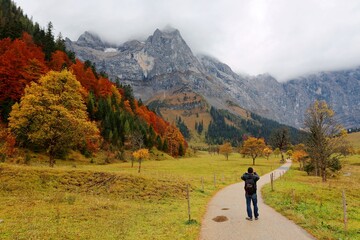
(21, 62)
(173, 140)
(226, 149)
(52, 115)
(253, 147)
(280, 139)
(300, 156)
(59, 61)
(289, 153)
(325, 139)
(267, 152)
(7, 143)
(140, 155)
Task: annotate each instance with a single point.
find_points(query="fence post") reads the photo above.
(188, 201)
(272, 181)
(345, 213)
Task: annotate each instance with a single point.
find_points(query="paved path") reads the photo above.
(271, 224)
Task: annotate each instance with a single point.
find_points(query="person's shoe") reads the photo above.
(257, 218)
(249, 219)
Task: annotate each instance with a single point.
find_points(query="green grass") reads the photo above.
(317, 206)
(79, 200)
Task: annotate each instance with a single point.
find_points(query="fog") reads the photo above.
(280, 37)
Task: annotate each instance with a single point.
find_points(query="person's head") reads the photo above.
(250, 170)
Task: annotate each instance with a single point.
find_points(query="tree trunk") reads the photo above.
(317, 168)
(282, 157)
(323, 172)
(51, 159)
(253, 161)
(323, 175)
(139, 165)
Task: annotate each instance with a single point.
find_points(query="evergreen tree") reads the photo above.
(181, 150)
(159, 144)
(49, 44)
(91, 106)
(165, 147)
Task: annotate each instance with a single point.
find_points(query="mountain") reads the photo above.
(164, 63)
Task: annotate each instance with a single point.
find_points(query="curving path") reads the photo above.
(230, 202)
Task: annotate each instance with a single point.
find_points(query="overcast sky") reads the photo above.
(285, 38)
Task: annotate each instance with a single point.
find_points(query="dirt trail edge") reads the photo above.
(226, 212)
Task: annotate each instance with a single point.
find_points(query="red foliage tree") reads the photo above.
(103, 87)
(59, 60)
(21, 62)
(84, 75)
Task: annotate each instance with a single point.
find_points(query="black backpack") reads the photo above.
(250, 188)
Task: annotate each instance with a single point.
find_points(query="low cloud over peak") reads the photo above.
(283, 38)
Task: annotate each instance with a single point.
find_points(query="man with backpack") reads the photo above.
(250, 179)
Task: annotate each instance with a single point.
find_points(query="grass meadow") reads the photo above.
(318, 206)
(354, 139)
(82, 200)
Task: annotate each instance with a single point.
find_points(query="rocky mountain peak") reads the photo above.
(92, 40)
(168, 39)
(171, 51)
(169, 33)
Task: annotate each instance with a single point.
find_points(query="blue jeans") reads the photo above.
(252, 198)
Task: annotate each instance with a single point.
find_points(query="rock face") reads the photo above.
(164, 63)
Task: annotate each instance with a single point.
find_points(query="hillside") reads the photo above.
(27, 59)
(207, 124)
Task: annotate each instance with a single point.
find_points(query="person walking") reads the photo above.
(250, 178)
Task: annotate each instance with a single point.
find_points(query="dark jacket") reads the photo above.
(251, 175)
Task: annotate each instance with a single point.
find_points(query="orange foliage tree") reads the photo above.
(59, 61)
(300, 156)
(84, 75)
(226, 149)
(7, 143)
(103, 87)
(253, 147)
(176, 143)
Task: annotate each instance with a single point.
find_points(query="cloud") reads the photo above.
(280, 37)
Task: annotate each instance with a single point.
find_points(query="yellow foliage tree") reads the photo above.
(52, 115)
(326, 138)
(289, 153)
(277, 152)
(226, 149)
(140, 155)
(267, 152)
(253, 147)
